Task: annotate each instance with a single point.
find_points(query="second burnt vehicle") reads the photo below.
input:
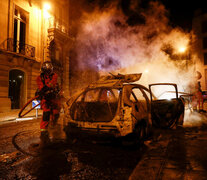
(116, 107)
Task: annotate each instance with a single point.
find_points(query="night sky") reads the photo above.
(181, 12)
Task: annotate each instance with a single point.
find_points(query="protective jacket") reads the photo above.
(50, 104)
(47, 81)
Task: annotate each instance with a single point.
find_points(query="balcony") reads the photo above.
(57, 24)
(18, 47)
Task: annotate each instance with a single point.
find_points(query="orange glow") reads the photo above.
(182, 49)
(46, 6)
(146, 71)
(46, 14)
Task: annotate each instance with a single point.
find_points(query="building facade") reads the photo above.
(199, 27)
(31, 32)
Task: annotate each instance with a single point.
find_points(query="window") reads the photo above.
(96, 105)
(92, 95)
(205, 58)
(164, 92)
(136, 95)
(204, 27)
(19, 34)
(205, 43)
(138, 99)
(108, 95)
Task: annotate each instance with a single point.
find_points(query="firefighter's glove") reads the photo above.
(44, 90)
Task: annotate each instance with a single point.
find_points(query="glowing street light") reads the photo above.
(184, 54)
(46, 6)
(182, 49)
(146, 71)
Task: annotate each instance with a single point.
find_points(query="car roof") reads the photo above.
(112, 81)
(115, 81)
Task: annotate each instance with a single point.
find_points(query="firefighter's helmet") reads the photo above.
(47, 67)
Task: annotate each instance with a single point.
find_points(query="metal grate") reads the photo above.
(13, 45)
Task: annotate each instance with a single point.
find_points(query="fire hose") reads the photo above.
(44, 92)
(23, 108)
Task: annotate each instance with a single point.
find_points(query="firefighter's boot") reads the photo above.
(44, 139)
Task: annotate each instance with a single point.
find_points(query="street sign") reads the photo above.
(34, 103)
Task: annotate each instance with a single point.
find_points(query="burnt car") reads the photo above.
(116, 107)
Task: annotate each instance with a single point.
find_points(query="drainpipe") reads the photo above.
(9, 3)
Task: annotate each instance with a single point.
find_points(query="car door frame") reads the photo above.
(180, 116)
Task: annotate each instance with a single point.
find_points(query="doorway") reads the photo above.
(16, 88)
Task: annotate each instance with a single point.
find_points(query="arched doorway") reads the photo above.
(16, 88)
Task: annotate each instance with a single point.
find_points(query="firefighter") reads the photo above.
(197, 99)
(50, 103)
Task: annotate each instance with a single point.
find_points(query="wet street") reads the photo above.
(169, 154)
(181, 154)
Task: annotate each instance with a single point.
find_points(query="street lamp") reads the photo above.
(45, 16)
(182, 49)
(46, 8)
(184, 54)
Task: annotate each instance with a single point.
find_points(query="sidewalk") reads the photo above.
(13, 115)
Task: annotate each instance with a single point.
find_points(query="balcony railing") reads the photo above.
(13, 45)
(58, 24)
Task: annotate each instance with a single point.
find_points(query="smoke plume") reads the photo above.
(107, 42)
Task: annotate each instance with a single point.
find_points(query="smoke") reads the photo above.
(107, 43)
(192, 119)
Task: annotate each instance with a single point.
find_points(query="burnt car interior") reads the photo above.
(96, 105)
(137, 99)
(167, 107)
(165, 112)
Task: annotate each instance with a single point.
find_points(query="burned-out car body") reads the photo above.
(112, 107)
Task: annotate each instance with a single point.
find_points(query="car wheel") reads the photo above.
(70, 138)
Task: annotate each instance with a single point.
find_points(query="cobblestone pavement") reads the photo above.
(169, 154)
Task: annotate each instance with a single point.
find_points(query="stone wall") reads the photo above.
(30, 67)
